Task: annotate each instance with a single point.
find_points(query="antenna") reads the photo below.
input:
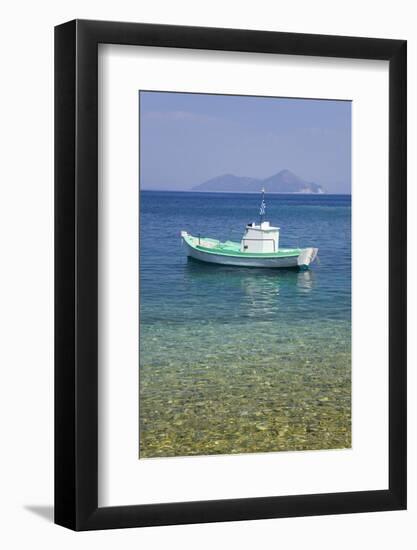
(263, 207)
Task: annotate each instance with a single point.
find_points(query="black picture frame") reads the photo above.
(76, 273)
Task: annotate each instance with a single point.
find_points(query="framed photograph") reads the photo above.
(230, 275)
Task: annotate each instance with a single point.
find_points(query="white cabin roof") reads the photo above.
(264, 226)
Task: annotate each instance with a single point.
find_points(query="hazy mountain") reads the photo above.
(227, 182)
(287, 182)
(282, 182)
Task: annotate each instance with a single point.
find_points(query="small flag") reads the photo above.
(262, 209)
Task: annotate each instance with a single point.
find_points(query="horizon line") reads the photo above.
(236, 192)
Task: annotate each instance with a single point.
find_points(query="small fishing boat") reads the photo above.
(259, 247)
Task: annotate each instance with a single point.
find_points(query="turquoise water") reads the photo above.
(239, 360)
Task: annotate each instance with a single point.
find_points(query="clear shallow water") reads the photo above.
(239, 360)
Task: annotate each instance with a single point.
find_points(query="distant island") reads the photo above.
(284, 181)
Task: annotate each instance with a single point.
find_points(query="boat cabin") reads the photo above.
(260, 238)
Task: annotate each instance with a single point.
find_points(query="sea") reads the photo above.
(243, 360)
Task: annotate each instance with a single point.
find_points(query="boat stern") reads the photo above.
(307, 256)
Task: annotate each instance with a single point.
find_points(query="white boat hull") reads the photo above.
(303, 260)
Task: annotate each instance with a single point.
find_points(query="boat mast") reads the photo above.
(263, 207)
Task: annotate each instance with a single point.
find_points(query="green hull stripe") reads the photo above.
(290, 253)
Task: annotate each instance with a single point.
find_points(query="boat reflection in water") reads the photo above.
(250, 291)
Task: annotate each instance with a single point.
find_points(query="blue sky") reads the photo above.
(186, 139)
